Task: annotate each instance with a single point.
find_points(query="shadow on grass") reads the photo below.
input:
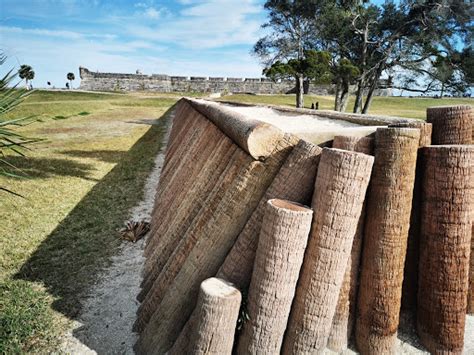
(41, 168)
(108, 156)
(68, 261)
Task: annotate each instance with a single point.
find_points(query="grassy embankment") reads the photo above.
(79, 185)
(391, 106)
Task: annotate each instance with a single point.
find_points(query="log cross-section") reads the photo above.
(280, 252)
(340, 188)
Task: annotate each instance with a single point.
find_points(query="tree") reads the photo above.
(344, 74)
(313, 66)
(26, 72)
(290, 37)
(70, 77)
(11, 141)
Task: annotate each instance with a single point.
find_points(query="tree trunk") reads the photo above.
(337, 99)
(280, 252)
(410, 278)
(343, 320)
(340, 188)
(385, 239)
(470, 299)
(373, 86)
(299, 91)
(202, 250)
(451, 124)
(359, 96)
(217, 311)
(345, 97)
(445, 246)
(294, 182)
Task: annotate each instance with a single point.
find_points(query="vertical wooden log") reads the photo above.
(448, 190)
(294, 182)
(410, 274)
(340, 189)
(280, 252)
(344, 317)
(451, 124)
(217, 311)
(203, 249)
(385, 239)
(470, 297)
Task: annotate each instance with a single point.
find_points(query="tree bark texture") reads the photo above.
(278, 261)
(294, 182)
(410, 274)
(300, 92)
(217, 311)
(470, 299)
(451, 124)
(340, 189)
(344, 317)
(388, 213)
(448, 191)
(203, 247)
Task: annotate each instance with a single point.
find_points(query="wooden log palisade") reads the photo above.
(229, 220)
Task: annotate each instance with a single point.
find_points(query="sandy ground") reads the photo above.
(105, 324)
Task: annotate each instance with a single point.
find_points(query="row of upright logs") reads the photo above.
(392, 205)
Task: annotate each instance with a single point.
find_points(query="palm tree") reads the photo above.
(26, 72)
(70, 77)
(10, 140)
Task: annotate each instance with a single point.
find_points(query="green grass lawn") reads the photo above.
(79, 185)
(391, 106)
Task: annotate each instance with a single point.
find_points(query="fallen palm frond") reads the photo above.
(134, 231)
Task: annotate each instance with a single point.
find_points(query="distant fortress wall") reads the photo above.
(95, 81)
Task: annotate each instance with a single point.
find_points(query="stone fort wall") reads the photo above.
(95, 81)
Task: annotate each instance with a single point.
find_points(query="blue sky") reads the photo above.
(182, 37)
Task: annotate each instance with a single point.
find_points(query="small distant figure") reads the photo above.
(67, 86)
(31, 86)
(312, 106)
(317, 105)
(138, 72)
(49, 83)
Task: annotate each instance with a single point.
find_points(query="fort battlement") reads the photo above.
(96, 81)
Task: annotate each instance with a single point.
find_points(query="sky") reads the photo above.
(180, 37)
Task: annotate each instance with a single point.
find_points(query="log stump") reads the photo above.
(448, 190)
(294, 182)
(340, 188)
(470, 297)
(280, 252)
(388, 213)
(343, 321)
(217, 311)
(451, 124)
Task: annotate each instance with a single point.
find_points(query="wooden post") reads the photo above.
(344, 317)
(217, 311)
(448, 190)
(470, 297)
(294, 182)
(410, 274)
(388, 212)
(451, 124)
(280, 252)
(340, 189)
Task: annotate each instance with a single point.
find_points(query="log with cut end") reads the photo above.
(202, 250)
(410, 274)
(344, 317)
(280, 252)
(448, 190)
(257, 138)
(451, 124)
(340, 188)
(388, 212)
(294, 182)
(217, 311)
